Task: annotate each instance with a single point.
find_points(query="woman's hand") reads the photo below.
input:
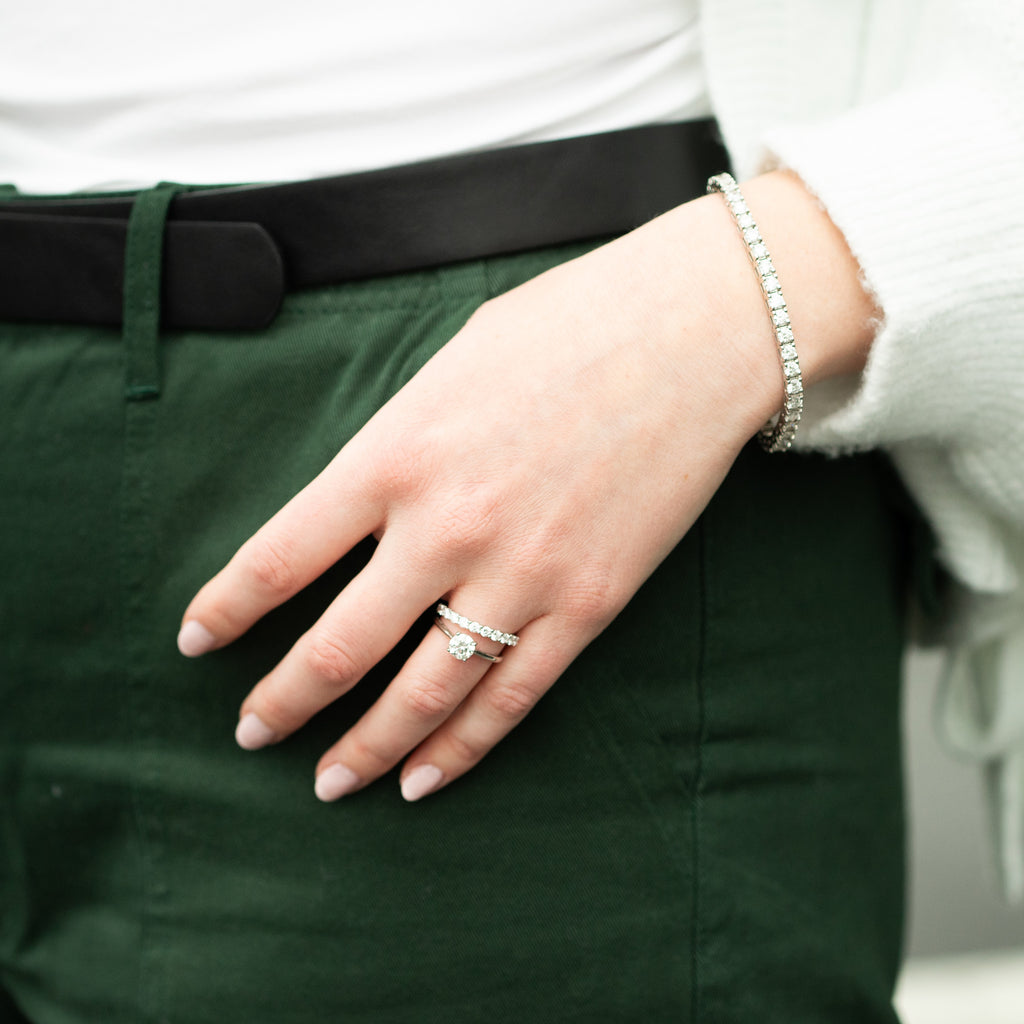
(535, 472)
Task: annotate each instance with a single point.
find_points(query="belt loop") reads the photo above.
(143, 260)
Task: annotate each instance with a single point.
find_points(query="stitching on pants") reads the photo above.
(135, 533)
(142, 387)
(698, 787)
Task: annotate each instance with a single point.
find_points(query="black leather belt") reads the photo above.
(231, 253)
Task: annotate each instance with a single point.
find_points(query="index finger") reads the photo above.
(327, 518)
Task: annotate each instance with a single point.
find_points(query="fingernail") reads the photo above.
(253, 733)
(195, 639)
(335, 782)
(421, 781)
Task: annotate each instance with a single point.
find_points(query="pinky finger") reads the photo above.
(499, 702)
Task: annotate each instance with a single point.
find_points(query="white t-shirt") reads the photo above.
(108, 93)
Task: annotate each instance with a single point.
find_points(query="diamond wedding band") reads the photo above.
(508, 639)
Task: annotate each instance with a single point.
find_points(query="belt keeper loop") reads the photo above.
(143, 263)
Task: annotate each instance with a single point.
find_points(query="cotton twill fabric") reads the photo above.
(702, 821)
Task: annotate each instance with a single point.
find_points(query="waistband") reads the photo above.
(231, 252)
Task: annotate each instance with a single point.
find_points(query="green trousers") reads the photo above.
(701, 821)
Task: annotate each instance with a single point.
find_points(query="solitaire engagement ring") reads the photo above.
(462, 646)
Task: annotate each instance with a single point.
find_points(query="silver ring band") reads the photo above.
(463, 647)
(471, 626)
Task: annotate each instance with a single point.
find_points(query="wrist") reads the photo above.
(833, 316)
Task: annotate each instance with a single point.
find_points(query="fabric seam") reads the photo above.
(696, 805)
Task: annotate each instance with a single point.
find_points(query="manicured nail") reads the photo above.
(253, 733)
(421, 781)
(195, 639)
(335, 782)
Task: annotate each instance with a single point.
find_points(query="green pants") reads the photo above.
(702, 821)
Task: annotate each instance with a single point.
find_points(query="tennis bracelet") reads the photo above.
(776, 435)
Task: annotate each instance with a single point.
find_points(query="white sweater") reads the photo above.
(914, 142)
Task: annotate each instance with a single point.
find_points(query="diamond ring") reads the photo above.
(463, 647)
(470, 626)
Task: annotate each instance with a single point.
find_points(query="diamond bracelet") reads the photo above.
(774, 436)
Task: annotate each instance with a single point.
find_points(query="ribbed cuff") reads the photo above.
(925, 186)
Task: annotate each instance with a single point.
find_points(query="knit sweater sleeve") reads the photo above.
(924, 178)
(926, 190)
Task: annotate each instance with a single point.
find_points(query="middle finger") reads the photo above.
(426, 691)
(360, 626)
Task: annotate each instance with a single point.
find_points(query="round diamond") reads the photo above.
(461, 646)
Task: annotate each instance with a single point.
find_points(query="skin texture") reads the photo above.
(635, 374)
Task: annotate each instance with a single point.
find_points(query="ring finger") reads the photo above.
(426, 691)
(489, 713)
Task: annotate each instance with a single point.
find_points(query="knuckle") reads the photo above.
(511, 700)
(368, 754)
(467, 751)
(401, 466)
(427, 698)
(328, 660)
(594, 598)
(277, 711)
(538, 560)
(467, 526)
(271, 563)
